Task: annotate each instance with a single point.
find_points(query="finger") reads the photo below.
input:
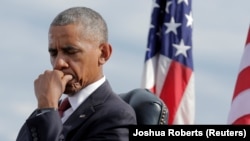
(67, 78)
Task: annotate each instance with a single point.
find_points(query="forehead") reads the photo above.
(71, 29)
(69, 32)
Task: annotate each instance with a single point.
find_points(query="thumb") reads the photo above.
(66, 78)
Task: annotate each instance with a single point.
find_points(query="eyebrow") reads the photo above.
(68, 48)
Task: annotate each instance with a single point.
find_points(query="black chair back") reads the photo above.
(149, 109)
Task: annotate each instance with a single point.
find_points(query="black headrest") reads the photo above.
(149, 109)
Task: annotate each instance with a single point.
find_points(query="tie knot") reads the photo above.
(64, 106)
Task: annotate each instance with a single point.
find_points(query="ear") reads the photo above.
(106, 51)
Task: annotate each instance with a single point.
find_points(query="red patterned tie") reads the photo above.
(64, 106)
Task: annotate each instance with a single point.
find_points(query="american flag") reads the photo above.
(240, 106)
(168, 68)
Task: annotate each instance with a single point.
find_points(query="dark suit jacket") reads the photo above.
(103, 116)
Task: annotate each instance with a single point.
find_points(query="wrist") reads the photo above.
(40, 111)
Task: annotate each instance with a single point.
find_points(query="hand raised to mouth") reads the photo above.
(49, 87)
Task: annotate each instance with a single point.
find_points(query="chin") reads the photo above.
(71, 89)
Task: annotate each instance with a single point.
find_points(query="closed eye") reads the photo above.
(70, 50)
(53, 52)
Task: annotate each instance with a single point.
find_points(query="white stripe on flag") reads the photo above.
(238, 104)
(187, 105)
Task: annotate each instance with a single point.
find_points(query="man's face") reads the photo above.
(72, 54)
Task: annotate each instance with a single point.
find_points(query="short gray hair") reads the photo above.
(93, 25)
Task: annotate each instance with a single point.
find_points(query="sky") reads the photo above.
(219, 33)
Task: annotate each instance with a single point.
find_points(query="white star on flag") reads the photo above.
(168, 4)
(189, 19)
(185, 1)
(172, 26)
(181, 48)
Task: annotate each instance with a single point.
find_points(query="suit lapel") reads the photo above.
(87, 108)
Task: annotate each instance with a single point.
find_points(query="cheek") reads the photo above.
(83, 68)
(86, 73)
(78, 70)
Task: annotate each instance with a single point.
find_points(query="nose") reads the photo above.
(59, 63)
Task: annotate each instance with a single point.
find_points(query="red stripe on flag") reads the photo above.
(239, 112)
(243, 120)
(174, 86)
(243, 81)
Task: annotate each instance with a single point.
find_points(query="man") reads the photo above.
(78, 47)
